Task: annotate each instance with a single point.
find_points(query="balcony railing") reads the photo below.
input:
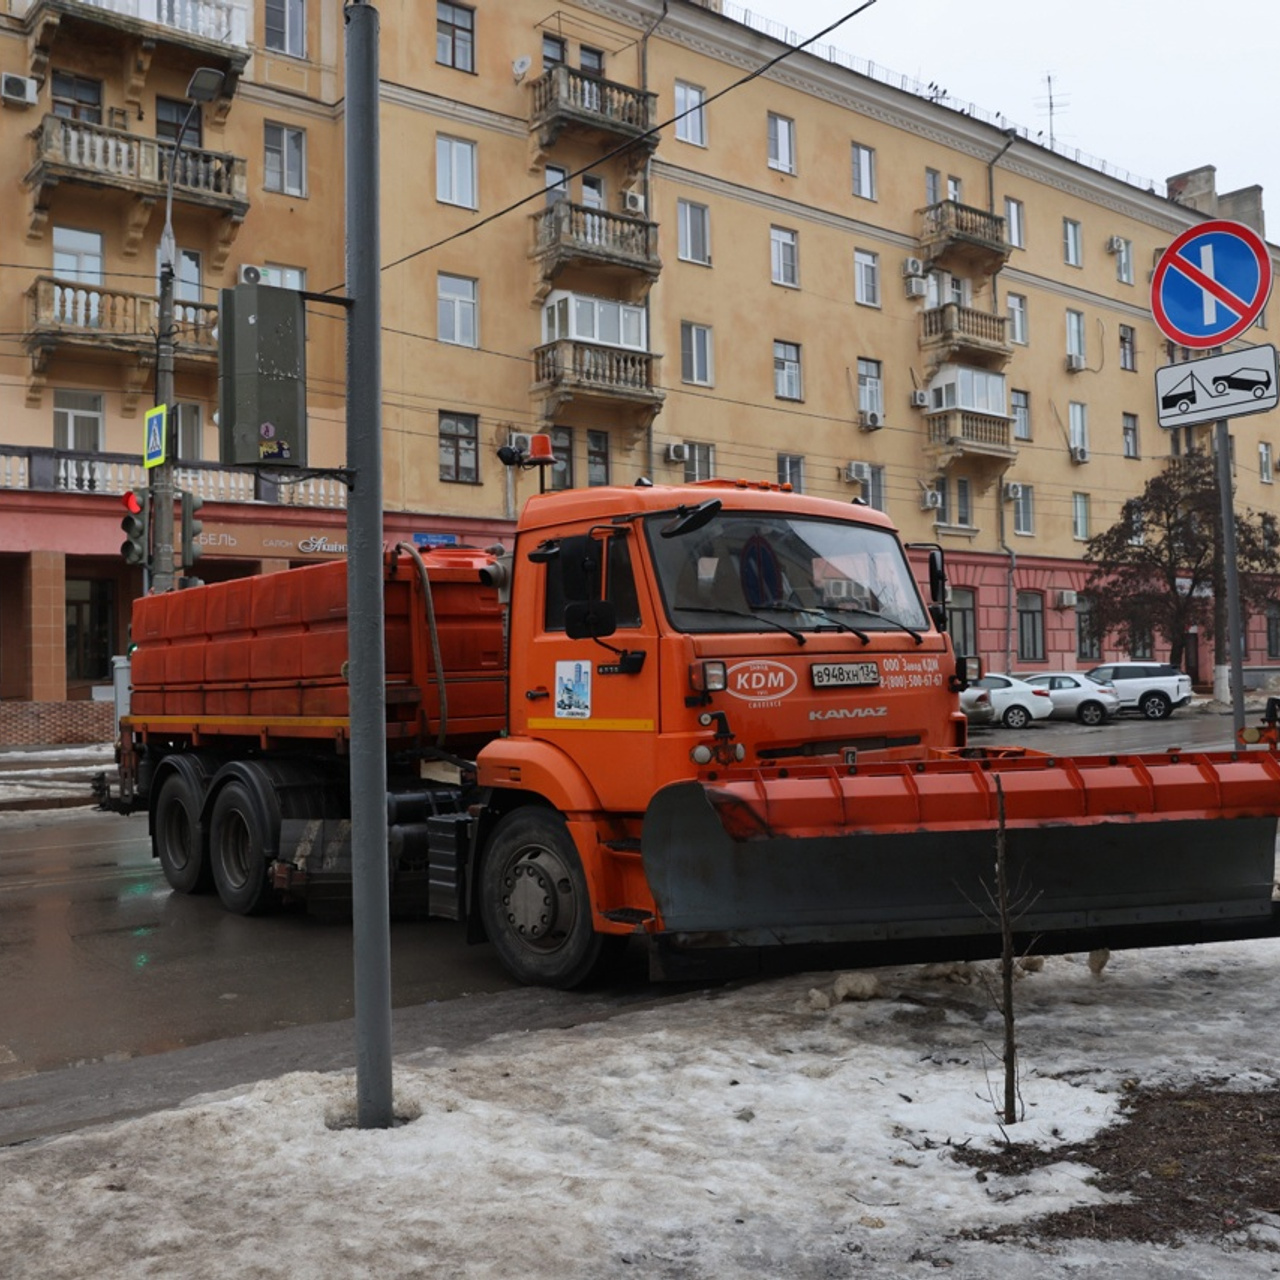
(963, 329)
(959, 233)
(562, 95)
(968, 432)
(114, 317)
(223, 21)
(565, 232)
(73, 148)
(62, 470)
(586, 366)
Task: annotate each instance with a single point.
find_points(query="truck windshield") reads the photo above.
(748, 571)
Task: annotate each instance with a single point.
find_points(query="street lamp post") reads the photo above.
(205, 85)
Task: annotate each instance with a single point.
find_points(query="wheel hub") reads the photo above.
(537, 898)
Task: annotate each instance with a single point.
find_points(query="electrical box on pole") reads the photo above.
(191, 527)
(262, 377)
(136, 525)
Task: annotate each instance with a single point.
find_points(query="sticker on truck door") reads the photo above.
(573, 690)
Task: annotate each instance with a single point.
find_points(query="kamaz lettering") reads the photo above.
(848, 713)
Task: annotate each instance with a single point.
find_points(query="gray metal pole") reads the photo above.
(1235, 633)
(162, 476)
(367, 667)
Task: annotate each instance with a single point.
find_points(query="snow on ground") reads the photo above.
(755, 1132)
(52, 773)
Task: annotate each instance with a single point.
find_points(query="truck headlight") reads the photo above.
(708, 677)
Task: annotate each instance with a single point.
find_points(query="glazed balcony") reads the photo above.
(965, 433)
(566, 370)
(573, 235)
(960, 238)
(955, 333)
(565, 98)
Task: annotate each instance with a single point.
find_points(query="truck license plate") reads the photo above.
(836, 675)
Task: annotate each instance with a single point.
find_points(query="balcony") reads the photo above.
(216, 32)
(572, 235)
(565, 98)
(953, 332)
(612, 376)
(964, 433)
(960, 238)
(115, 160)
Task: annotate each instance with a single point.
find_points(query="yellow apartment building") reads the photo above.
(599, 221)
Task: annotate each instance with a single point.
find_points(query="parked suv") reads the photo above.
(1154, 688)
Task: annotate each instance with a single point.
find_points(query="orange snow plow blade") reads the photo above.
(1101, 851)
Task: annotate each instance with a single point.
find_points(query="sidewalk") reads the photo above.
(52, 777)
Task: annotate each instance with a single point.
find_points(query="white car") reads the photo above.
(1014, 703)
(1077, 697)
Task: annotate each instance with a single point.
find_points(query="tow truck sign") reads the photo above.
(1225, 386)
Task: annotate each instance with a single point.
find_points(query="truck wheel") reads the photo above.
(237, 847)
(1091, 713)
(535, 904)
(1016, 717)
(177, 837)
(1155, 706)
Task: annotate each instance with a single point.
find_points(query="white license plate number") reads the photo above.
(842, 675)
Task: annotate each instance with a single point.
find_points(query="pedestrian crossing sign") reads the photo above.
(156, 424)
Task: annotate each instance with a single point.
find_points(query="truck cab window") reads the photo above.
(619, 588)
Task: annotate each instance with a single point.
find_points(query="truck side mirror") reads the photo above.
(587, 616)
(937, 577)
(589, 619)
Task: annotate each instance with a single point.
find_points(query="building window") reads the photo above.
(696, 358)
(286, 26)
(456, 171)
(1078, 424)
(782, 143)
(561, 476)
(456, 310)
(791, 470)
(870, 387)
(786, 371)
(553, 51)
(1088, 642)
(694, 224)
(874, 490)
(960, 387)
(864, 171)
(460, 448)
(964, 502)
(1080, 516)
(691, 122)
(77, 97)
(1124, 261)
(579, 317)
(955, 189)
(962, 621)
(591, 61)
(455, 36)
(932, 187)
(943, 508)
(784, 256)
(1129, 434)
(188, 433)
(1264, 462)
(1017, 318)
(1273, 630)
(1128, 348)
(1024, 515)
(1072, 243)
(284, 159)
(1030, 626)
(170, 113)
(79, 422)
(1143, 648)
(866, 277)
(597, 458)
(1015, 222)
(1020, 404)
(90, 622)
(1075, 334)
(701, 462)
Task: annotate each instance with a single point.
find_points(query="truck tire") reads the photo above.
(237, 852)
(535, 904)
(1155, 706)
(177, 837)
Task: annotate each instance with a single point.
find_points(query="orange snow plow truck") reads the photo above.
(722, 716)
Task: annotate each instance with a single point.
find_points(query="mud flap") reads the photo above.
(1075, 878)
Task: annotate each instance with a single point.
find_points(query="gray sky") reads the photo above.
(1152, 86)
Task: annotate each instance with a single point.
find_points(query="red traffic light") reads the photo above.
(131, 502)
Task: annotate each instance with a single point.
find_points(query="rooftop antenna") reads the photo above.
(1051, 105)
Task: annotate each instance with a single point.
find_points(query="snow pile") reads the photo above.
(65, 773)
(737, 1134)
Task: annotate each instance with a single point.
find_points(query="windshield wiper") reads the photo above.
(917, 636)
(785, 606)
(739, 613)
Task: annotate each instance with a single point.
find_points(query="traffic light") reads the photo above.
(136, 525)
(191, 549)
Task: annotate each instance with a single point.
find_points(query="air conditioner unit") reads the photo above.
(1012, 491)
(519, 440)
(858, 472)
(930, 500)
(916, 287)
(1079, 453)
(677, 452)
(912, 267)
(1075, 363)
(920, 399)
(869, 421)
(249, 274)
(1115, 244)
(633, 203)
(18, 91)
(1067, 599)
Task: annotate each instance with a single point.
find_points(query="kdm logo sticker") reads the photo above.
(761, 681)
